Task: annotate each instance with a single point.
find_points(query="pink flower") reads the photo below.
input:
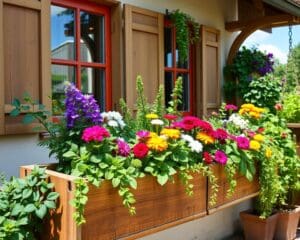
(143, 134)
(278, 106)
(220, 157)
(140, 150)
(205, 126)
(243, 142)
(123, 148)
(95, 133)
(220, 134)
(230, 107)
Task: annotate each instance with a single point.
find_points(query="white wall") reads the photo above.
(20, 150)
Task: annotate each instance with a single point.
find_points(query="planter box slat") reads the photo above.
(243, 191)
(158, 207)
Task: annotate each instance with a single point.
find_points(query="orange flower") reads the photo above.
(205, 138)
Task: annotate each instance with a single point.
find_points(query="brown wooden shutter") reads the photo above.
(210, 70)
(24, 58)
(144, 51)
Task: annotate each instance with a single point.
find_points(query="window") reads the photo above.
(175, 67)
(80, 50)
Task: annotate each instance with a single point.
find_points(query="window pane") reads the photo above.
(62, 33)
(92, 47)
(93, 82)
(59, 75)
(186, 92)
(179, 61)
(168, 47)
(168, 87)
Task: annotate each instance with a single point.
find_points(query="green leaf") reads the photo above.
(162, 179)
(109, 175)
(16, 102)
(50, 204)
(103, 165)
(132, 183)
(23, 221)
(52, 196)
(69, 154)
(26, 193)
(243, 167)
(41, 212)
(95, 159)
(149, 169)
(249, 175)
(28, 118)
(17, 209)
(116, 182)
(15, 112)
(30, 208)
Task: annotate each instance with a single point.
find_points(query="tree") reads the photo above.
(293, 70)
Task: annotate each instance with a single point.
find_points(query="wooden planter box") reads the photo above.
(243, 191)
(157, 208)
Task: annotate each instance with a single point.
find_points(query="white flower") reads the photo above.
(112, 123)
(238, 121)
(196, 146)
(187, 138)
(157, 122)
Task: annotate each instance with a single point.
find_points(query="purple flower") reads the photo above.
(242, 142)
(123, 148)
(220, 157)
(82, 108)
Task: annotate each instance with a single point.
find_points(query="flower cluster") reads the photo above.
(252, 110)
(95, 133)
(113, 119)
(80, 107)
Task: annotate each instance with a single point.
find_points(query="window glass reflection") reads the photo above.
(168, 87)
(62, 33)
(92, 37)
(59, 75)
(168, 47)
(93, 82)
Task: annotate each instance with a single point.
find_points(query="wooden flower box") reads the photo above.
(243, 191)
(157, 207)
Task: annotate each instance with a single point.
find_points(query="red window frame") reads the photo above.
(93, 8)
(175, 70)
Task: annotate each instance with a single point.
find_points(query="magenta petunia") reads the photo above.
(242, 142)
(220, 157)
(95, 133)
(123, 148)
(231, 107)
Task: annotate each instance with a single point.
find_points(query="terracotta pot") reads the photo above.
(287, 223)
(157, 208)
(256, 228)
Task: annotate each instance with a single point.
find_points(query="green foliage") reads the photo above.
(158, 105)
(293, 70)
(176, 98)
(23, 205)
(291, 107)
(187, 32)
(263, 92)
(247, 65)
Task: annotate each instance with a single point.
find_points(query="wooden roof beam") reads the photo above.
(274, 20)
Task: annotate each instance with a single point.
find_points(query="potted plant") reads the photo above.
(24, 203)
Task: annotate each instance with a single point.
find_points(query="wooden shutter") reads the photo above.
(144, 51)
(210, 70)
(24, 58)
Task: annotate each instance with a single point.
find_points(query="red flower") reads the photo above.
(170, 117)
(207, 158)
(278, 106)
(220, 134)
(260, 130)
(140, 150)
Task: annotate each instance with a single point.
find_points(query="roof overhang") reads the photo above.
(289, 6)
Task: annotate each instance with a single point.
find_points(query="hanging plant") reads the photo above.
(187, 32)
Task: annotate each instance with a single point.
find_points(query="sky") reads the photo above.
(276, 42)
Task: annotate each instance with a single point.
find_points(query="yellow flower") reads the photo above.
(254, 114)
(268, 152)
(259, 110)
(157, 143)
(259, 137)
(254, 145)
(205, 138)
(248, 106)
(151, 116)
(153, 134)
(171, 133)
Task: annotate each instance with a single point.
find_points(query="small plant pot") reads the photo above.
(287, 223)
(256, 228)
